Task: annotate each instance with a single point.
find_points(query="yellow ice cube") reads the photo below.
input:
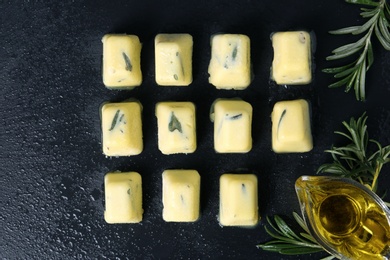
(123, 196)
(238, 200)
(292, 58)
(173, 54)
(122, 128)
(176, 127)
(232, 126)
(291, 127)
(229, 66)
(121, 61)
(181, 195)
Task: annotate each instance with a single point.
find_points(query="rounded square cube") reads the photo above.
(121, 128)
(173, 55)
(230, 66)
(123, 196)
(238, 200)
(121, 61)
(292, 58)
(291, 127)
(232, 126)
(176, 127)
(181, 195)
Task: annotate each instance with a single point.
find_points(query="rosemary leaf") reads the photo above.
(367, 12)
(356, 84)
(343, 54)
(343, 134)
(328, 258)
(286, 230)
(345, 30)
(274, 228)
(286, 249)
(114, 120)
(362, 80)
(341, 82)
(333, 168)
(308, 237)
(300, 250)
(370, 56)
(383, 27)
(362, 2)
(128, 64)
(337, 69)
(344, 73)
(235, 117)
(335, 151)
(367, 25)
(174, 124)
(366, 9)
(300, 221)
(351, 81)
(359, 43)
(382, 39)
(280, 237)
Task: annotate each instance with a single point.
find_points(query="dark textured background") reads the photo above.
(51, 164)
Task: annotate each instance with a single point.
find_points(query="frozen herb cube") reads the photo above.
(123, 197)
(229, 66)
(176, 127)
(121, 61)
(181, 194)
(121, 128)
(232, 126)
(238, 200)
(291, 127)
(292, 58)
(173, 55)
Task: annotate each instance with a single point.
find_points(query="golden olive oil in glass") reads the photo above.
(347, 219)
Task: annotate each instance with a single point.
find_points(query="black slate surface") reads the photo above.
(51, 164)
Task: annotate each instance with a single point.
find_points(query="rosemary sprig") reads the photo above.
(287, 241)
(354, 74)
(353, 161)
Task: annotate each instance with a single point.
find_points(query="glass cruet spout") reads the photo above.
(346, 218)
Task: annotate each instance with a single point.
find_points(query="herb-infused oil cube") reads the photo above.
(238, 200)
(121, 61)
(229, 66)
(291, 127)
(176, 127)
(232, 126)
(173, 54)
(181, 195)
(123, 196)
(121, 128)
(292, 58)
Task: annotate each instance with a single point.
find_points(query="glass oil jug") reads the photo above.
(346, 218)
